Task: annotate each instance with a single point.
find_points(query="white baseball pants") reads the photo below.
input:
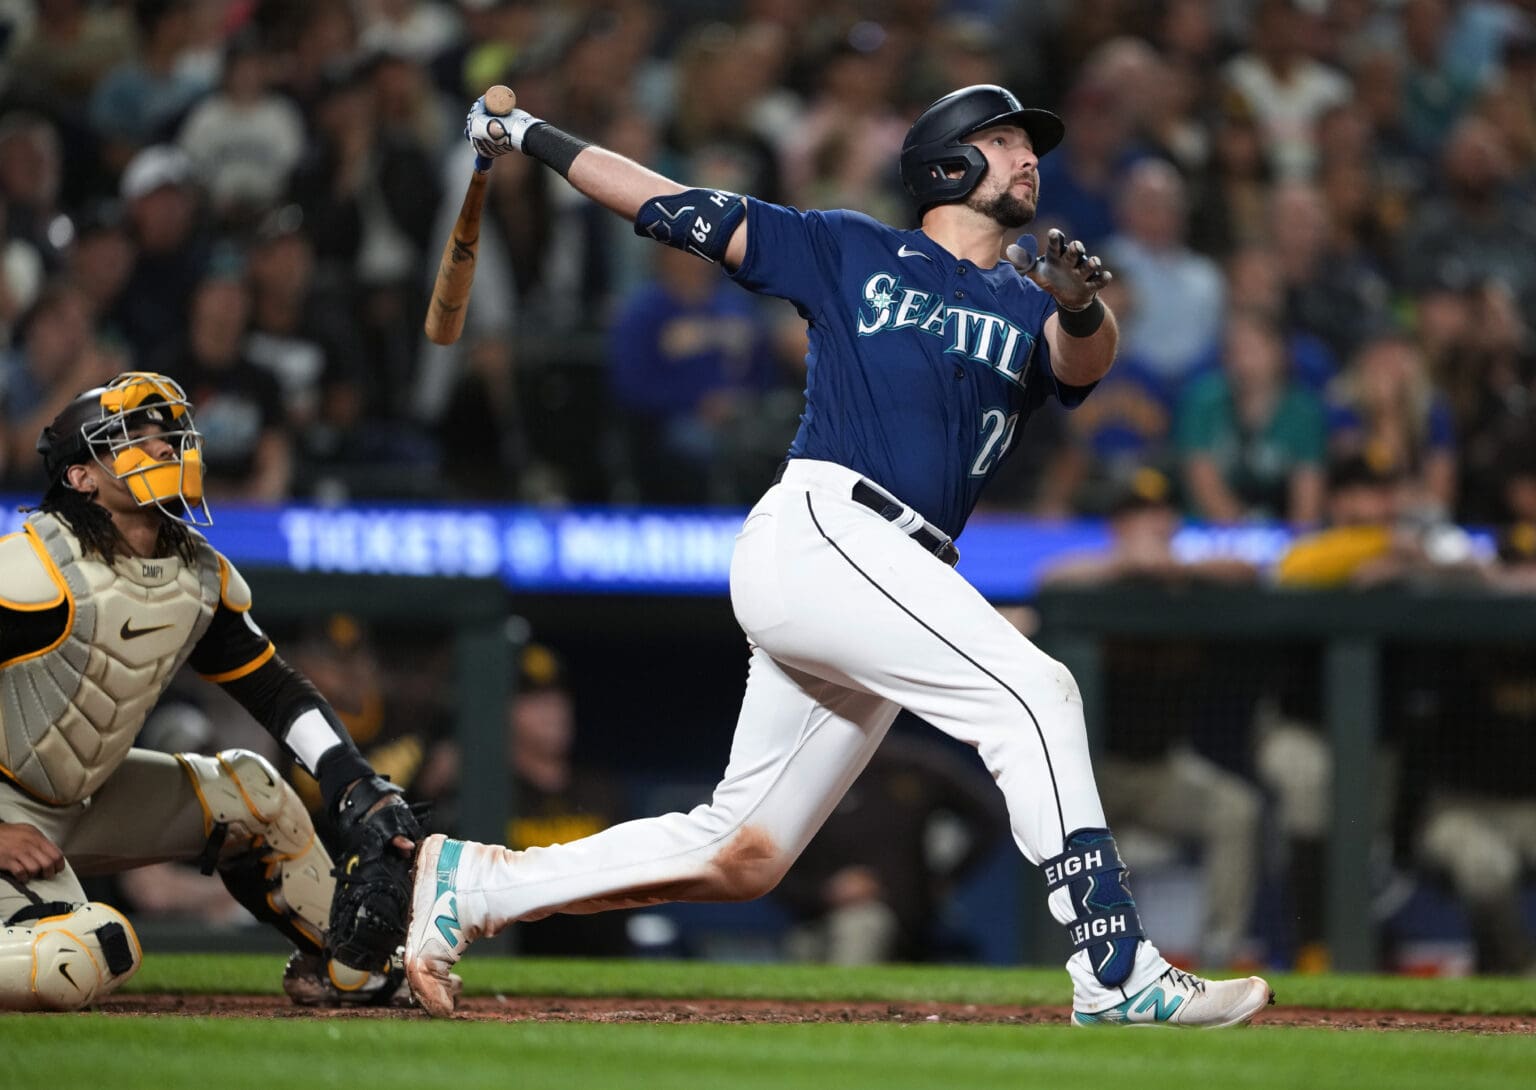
(849, 621)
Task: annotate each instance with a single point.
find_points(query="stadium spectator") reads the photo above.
(21, 278)
(171, 251)
(73, 44)
(482, 433)
(55, 357)
(100, 259)
(1487, 367)
(240, 406)
(1230, 198)
(1477, 220)
(841, 151)
(1177, 296)
(244, 138)
(1438, 86)
(1252, 439)
(299, 332)
(31, 169)
(368, 193)
(1254, 283)
(1384, 409)
(710, 132)
(1082, 182)
(1287, 90)
(1332, 288)
(689, 358)
(140, 101)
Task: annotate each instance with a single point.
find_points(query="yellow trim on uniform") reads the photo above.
(10, 778)
(197, 789)
(249, 668)
(33, 607)
(330, 971)
(58, 581)
(224, 569)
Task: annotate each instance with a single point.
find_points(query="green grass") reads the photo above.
(101, 1052)
(56, 1053)
(257, 974)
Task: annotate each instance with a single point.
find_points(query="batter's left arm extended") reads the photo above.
(617, 183)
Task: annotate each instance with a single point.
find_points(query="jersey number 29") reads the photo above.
(997, 429)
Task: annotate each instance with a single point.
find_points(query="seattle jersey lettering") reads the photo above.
(983, 336)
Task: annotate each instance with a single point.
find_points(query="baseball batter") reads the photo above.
(104, 594)
(929, 349)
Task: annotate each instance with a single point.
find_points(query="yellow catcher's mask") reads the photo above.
(119, 425)
(156, 482)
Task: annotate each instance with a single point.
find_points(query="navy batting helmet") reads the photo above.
(935, 144)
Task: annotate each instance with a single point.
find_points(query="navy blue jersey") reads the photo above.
(921, 366)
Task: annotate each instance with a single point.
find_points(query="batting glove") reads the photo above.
(1065, 269)
(492, 136)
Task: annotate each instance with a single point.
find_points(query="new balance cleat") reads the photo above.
(434, 937)
(1182, 999)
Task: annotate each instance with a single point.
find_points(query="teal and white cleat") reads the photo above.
(1182, 999)
(434, 937)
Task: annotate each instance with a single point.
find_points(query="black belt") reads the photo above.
(871, 497)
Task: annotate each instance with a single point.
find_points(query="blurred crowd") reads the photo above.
(1320, 215)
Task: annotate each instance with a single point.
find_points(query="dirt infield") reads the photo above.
(775, 1011)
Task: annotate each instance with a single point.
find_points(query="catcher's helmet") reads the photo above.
(935, 142)
(100, 424)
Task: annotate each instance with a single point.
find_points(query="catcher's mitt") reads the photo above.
(373, 876)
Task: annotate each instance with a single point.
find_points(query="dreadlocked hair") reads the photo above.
(98, 534)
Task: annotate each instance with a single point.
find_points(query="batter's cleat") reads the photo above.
(1182, 999)
(434, 937)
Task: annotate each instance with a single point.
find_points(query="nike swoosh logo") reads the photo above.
(128, 632)
(64, 972)
(902, 251)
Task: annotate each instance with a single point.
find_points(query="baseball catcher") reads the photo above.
(108, 589)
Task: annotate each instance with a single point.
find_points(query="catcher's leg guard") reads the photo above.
(263, 844)
(61, 957)
(1106, 923)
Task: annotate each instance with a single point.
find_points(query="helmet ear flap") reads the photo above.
(925, 172)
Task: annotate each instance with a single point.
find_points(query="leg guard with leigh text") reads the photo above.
(59, 957)
(1105, 921)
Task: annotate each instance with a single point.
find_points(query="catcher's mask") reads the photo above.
(110, 423)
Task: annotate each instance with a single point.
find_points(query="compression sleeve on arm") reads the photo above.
(555, 148)
(293, 711)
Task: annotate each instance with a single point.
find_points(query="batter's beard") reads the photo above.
(1006, 209)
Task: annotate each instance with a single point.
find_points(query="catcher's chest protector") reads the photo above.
(69, 713)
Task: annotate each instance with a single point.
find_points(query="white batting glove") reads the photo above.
(1065, 269)
(492, 136)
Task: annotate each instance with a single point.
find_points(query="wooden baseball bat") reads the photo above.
(456, 269)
